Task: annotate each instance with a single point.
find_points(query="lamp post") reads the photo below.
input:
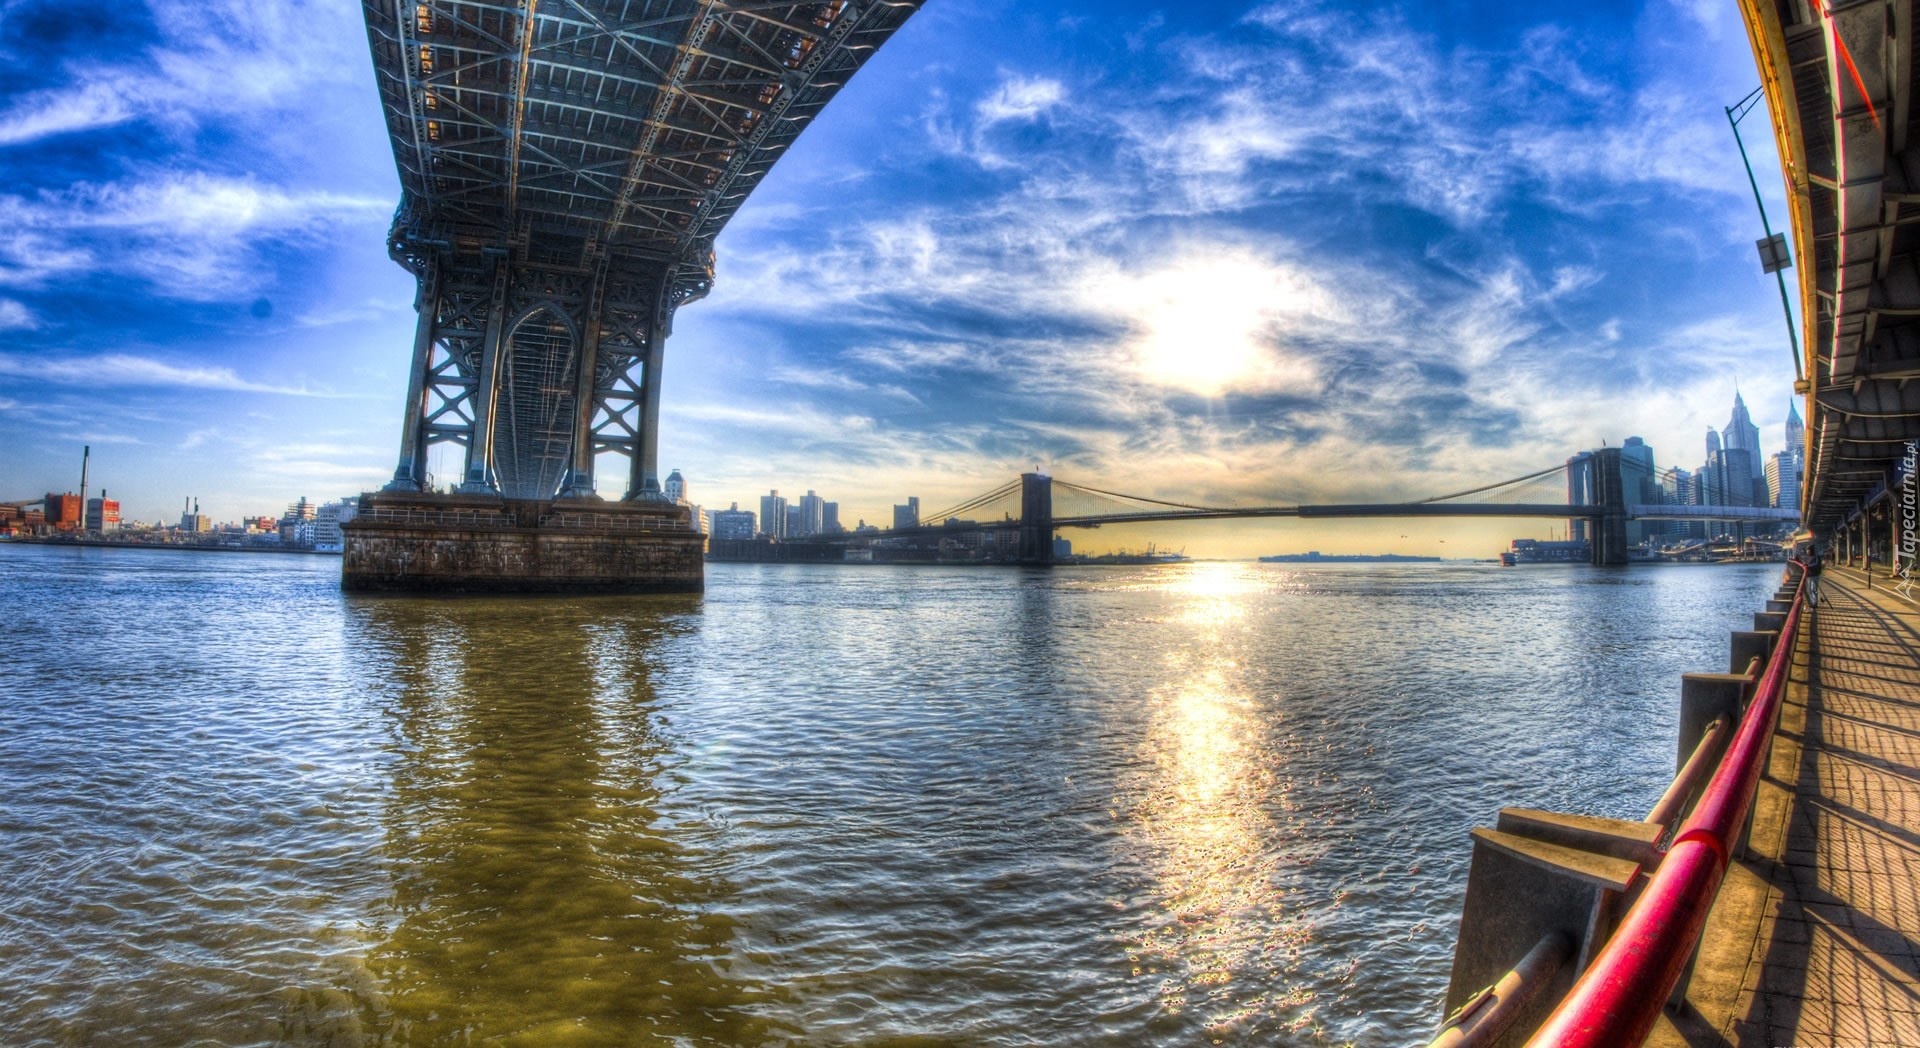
(1773, 248)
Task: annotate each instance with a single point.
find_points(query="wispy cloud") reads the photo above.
(14, 316)
(192, 236)
(120, 369)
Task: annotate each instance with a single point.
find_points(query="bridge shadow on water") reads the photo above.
(538, 894)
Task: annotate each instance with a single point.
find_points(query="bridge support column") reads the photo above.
(533, 365)
(479, 471)
(1036, 519)
(411, 473)
(1608, 543)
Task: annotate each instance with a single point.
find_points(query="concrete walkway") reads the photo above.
(1816, 937)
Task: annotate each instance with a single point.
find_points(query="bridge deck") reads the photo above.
(1816, 938)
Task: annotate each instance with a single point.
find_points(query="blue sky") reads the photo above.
(1214, 252)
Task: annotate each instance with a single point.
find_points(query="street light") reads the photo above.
(1774, 257)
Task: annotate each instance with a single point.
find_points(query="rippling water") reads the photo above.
(825, 805)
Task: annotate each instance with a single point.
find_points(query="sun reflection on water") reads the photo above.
(1207, 812)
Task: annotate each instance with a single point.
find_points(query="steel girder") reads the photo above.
(1839, 79)
(565, 166)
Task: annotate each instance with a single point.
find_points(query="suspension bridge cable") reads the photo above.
(1490, 487)
(1134, 498)
(975, 503)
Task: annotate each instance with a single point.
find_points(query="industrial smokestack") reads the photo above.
(86, 452)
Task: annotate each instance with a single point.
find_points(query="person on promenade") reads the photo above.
(1813, 565)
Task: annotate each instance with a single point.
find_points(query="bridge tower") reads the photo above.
(564, 170)
(1036, 519)
(1608, 539)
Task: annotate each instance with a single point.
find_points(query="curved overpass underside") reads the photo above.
(1839, 79)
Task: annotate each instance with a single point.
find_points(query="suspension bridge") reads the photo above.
(1035, 505)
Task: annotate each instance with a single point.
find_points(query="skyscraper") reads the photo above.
(1639, 485)
(1742, 435)
(773, 515)
(1796, 437)
(676, 487)
(1783, 480)
(812, 514)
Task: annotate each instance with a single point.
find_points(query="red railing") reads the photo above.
(1618, 998)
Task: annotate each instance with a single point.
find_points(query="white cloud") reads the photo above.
(214, 60)
(192, 236)
(43, 113)
(14, 316)
(815, 378)
(1020, 99)
(120, 369)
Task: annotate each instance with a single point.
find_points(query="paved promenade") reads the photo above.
(1816, 938)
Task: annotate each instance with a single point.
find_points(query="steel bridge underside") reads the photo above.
(1839, 80)
(565, 166)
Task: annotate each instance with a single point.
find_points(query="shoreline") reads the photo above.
(178, 547)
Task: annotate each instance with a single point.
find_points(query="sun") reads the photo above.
(1213, 323)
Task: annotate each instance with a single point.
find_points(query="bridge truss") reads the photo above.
(565, 166)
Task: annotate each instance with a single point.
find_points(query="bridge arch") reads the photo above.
(536, 404)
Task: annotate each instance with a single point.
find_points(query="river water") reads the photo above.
(837, 805)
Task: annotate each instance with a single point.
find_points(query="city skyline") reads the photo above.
(1113, 252)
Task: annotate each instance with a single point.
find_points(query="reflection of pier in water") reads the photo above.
(538, 892)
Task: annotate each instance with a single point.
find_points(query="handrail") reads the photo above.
(1483, 1019)
(1672, 802)
(1617, 1000)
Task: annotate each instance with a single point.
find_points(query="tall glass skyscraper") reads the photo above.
(1742, 435)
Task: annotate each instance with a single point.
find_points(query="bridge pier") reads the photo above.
(551, 255)
(1036, 519)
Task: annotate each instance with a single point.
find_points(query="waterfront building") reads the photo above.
(812, 514)
(192, 521)
(731, 523)
(907, 516)
(1683, 489)
(1640, 485)
(773, 515)
(327, 537)
(103, 513)
(675, 487)
(65, 512)
(830, 518)
(1783, 480)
